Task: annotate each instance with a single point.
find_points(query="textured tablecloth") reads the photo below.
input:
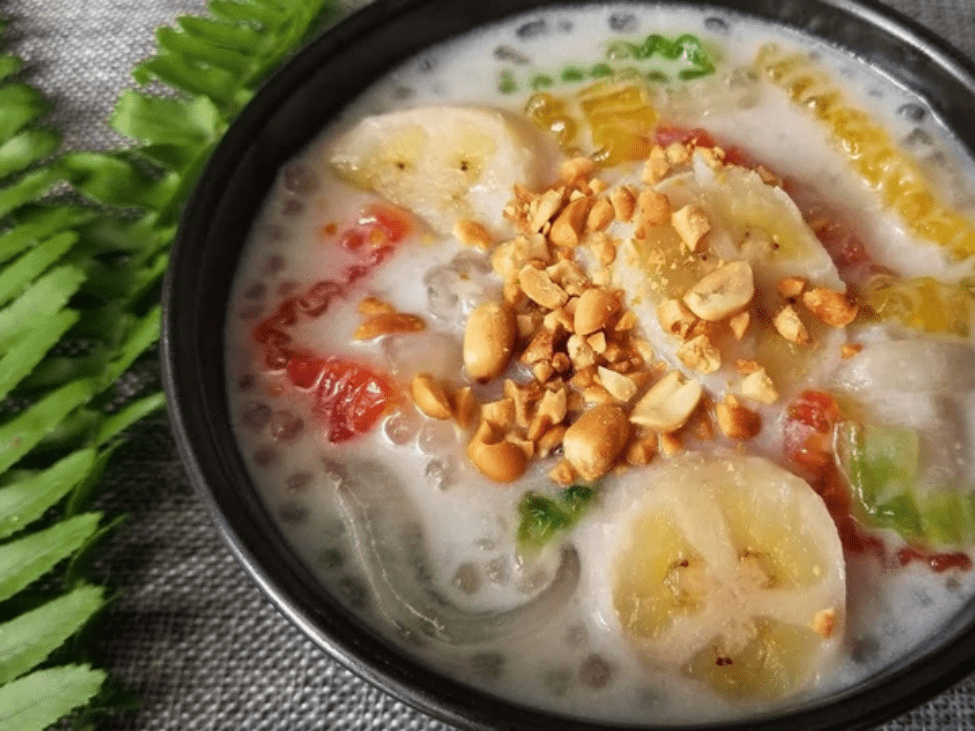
(189, 632)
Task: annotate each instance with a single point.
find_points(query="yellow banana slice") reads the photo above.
(444, 163)
(730, 571)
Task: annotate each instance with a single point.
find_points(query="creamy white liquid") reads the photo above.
(468, 521)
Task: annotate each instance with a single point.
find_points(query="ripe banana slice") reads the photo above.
(730, 571)
(444, 163)
(757, 222)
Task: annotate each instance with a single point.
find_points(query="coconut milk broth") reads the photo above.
(579, 664)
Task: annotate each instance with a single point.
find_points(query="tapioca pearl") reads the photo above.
(532, 582)
(436, 437)
(595, 672)
(354, 591)
(246, 383)
(532, 29)
(275, 233)
(401, 428)
(266, 456)
(912, 112)
(576, 636)
(292, 207)
(256, 415)
(299, 481)
(292, 513)
(622, 22)
(441, 472)
(487, 665)
(331, 558)
(467, 578)
(299, 179)
(507, 53)
(285, 426)
(251, 312)
(274, 264)
(257, 291)
(287, 288)
(864, 650)
(496, 571)
(556, 681)
(717, 25)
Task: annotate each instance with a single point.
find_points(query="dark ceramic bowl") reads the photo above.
(290, 110)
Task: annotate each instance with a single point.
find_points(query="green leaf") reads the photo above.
(115, 424)
(16, 276)
(225, 35)
(193, 79)
(111, 180)
(27, 640)
(9, 65)
(84, 491)
(26, 500)
(48, 294)
(41, 224)
(21, 105)
(35, 701)
(192, 122)
(19, 435)
(20, 360)
(28, 188)
(24, 560)
(27, 148)
(194, 49)
(142, 336)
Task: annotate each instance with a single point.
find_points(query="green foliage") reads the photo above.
(90, 275)
(542, 517)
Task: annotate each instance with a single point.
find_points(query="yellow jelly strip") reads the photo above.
(871, 152)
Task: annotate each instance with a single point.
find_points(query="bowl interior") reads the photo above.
(291, 109)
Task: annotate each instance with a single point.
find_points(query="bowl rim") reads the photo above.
(277, 574)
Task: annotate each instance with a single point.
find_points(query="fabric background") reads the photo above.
(189, 632)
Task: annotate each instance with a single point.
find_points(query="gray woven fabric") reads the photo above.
(189, 632)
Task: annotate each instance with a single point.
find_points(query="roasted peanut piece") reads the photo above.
(724, 292)
(668, 404)
(580, 352)
(538, 285)
(691, 224)
(675, 318)
(736, 421)
(758, 386)
(550, 441)
(501, 461)
(571, 222)
(792, 287)
(388, 323)
(739, 324)
(430, 396)
(465, 407)
(677, 153)
(594, 311)
(374, 306)
(595, 440)
(472, 233)
(569, 276)
(489, 340)
(654, 208)
(824, 622)
(790, 327)
(600, 215)
(620, 387)
(624, 203)
(563, 473)
(656, 167)
(578, 167)
(848, 350)
(546, 206)
(500, 414)
(832, 307)
(641, 451)
(699, 354)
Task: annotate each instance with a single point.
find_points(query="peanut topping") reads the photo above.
(668, 405)
(430, 396)
(620, 387)
(691, 224)
(594, 311)
(758, 386)
(595, 440)
(656, 167)
(388, 323)
(374, 306)
(473, 233)
(790, 327)
(833, 308)
(699, 354)
(724, 292)
(538, 285)
(499, 461)
(543, 208)
(675, 318)
(600, 215)
(739, 324)
(736, 421)
(568, 227)
(824, 622)
(654, 208)
(792, 287)
(848, 350)
(624, 203)
(489, 340)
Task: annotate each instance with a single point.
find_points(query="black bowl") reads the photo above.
(289, 111)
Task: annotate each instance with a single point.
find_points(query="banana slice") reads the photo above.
(444, 163)
(731, 572)
(757, 222)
